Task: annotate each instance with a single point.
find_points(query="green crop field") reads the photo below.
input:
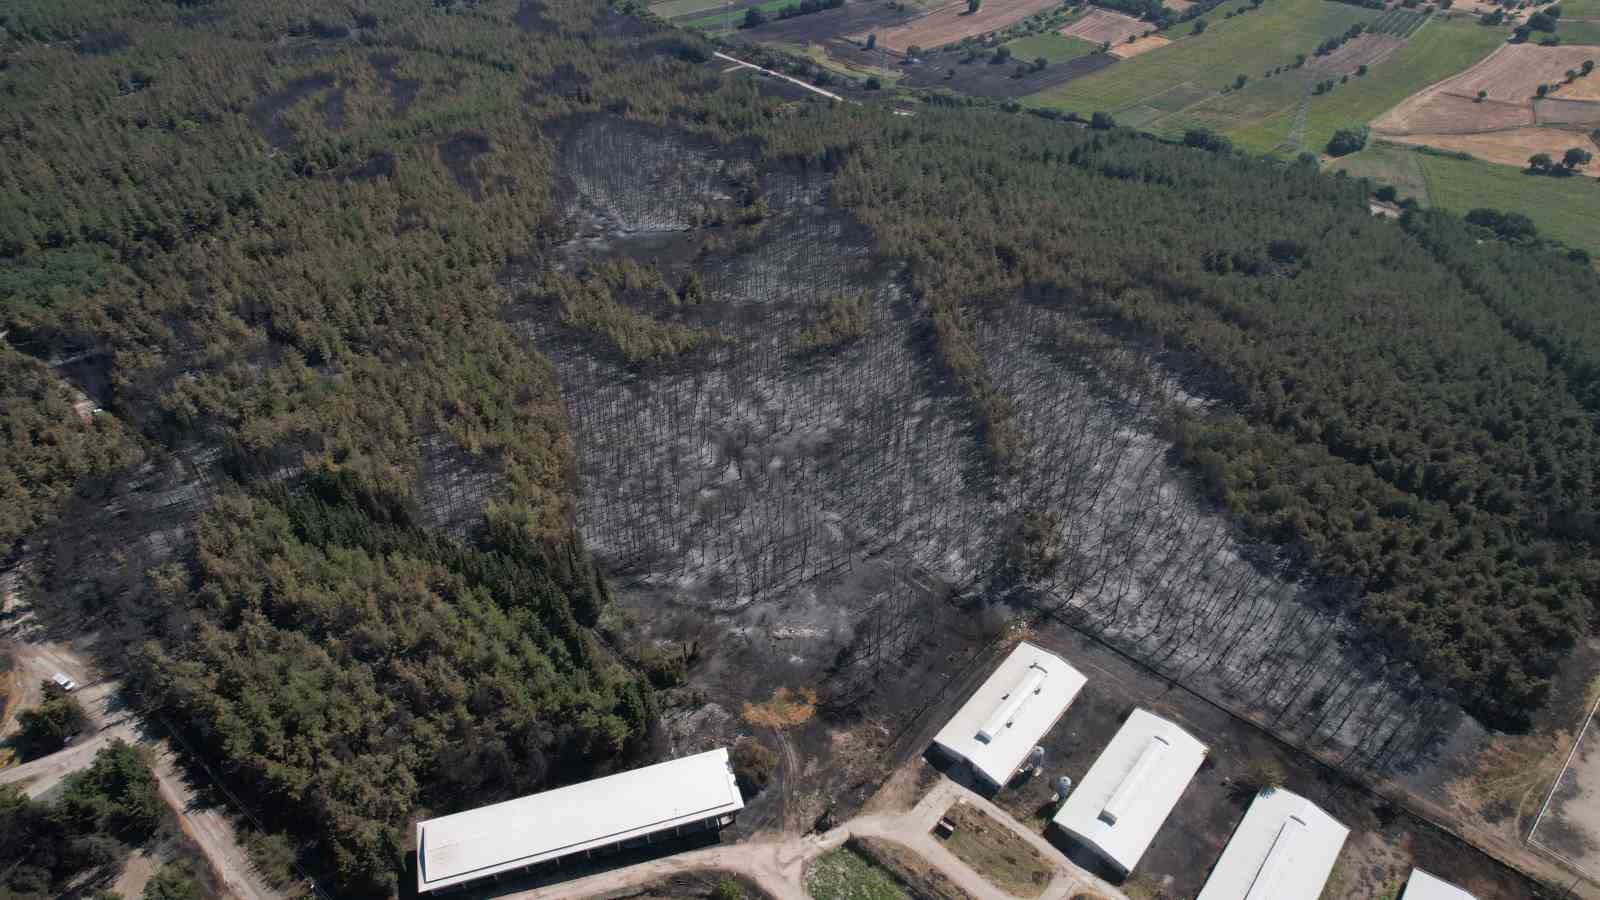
(1386, 163)
(1247, 44)
(1567, 209)
(1440, 49)
(1050, 45)
(1579, 32)
(1580, 9)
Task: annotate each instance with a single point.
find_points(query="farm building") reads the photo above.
(689, 794)
(1131, 789)
(1423, 886)
(1003, 720)
(1283, 850)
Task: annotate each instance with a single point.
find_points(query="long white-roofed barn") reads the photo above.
(1284, 849)
(1003, 720)
(1427, 886)
(1131, 789)
(688, 794)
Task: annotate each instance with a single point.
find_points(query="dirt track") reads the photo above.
(36, 660)
(779, 866)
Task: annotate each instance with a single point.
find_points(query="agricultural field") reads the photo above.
(1051, 46)
(952, 22)
(1440, 49)
(1492, 110)
(1249, 43)
(1511, 147)
(1104, 26)
(1387, 163)
(1567, 209)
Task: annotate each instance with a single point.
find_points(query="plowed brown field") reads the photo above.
(1453, 114)
(1138, 46)
(951, 23)
(1103, 25)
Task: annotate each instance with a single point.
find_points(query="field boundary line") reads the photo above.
(1555, 785)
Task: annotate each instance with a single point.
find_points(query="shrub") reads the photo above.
(753, 765)
(1347, 140)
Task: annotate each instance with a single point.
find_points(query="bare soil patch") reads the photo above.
(951, 23)
(1178, 6)
(996, 852)
(696, 885)
(1138, 46)
(1508, 148)
(1366, 50)
(1103, 25)
(1443, 113)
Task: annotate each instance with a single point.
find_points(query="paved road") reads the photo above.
(779, 866)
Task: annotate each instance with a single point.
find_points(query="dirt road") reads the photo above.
(779, 866)
(35, 660)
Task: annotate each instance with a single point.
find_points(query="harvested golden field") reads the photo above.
(1103, 25)
(1514, 72)
(951, 23)
(1138, 46)
(1585, 88)
(1452, 114)
(1511, 147)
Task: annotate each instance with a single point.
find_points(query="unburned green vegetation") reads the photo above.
(844, 874)
(1251, 42)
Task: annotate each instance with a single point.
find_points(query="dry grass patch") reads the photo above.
(1507, 148)
(1139, 45)
(997, 853)
(785, 709)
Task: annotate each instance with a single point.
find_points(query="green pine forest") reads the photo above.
(275, 227)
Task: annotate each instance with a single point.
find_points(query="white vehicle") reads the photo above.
(63, 682)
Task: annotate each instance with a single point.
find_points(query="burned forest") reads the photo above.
(420, 404)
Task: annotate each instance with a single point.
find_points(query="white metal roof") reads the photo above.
(1283, 850)
(1131, 789)
(1423, 886)
(490, 839)
(1008, 714)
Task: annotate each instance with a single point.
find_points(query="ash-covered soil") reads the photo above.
(828, 520)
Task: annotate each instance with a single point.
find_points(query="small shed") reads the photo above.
(1425, 886)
